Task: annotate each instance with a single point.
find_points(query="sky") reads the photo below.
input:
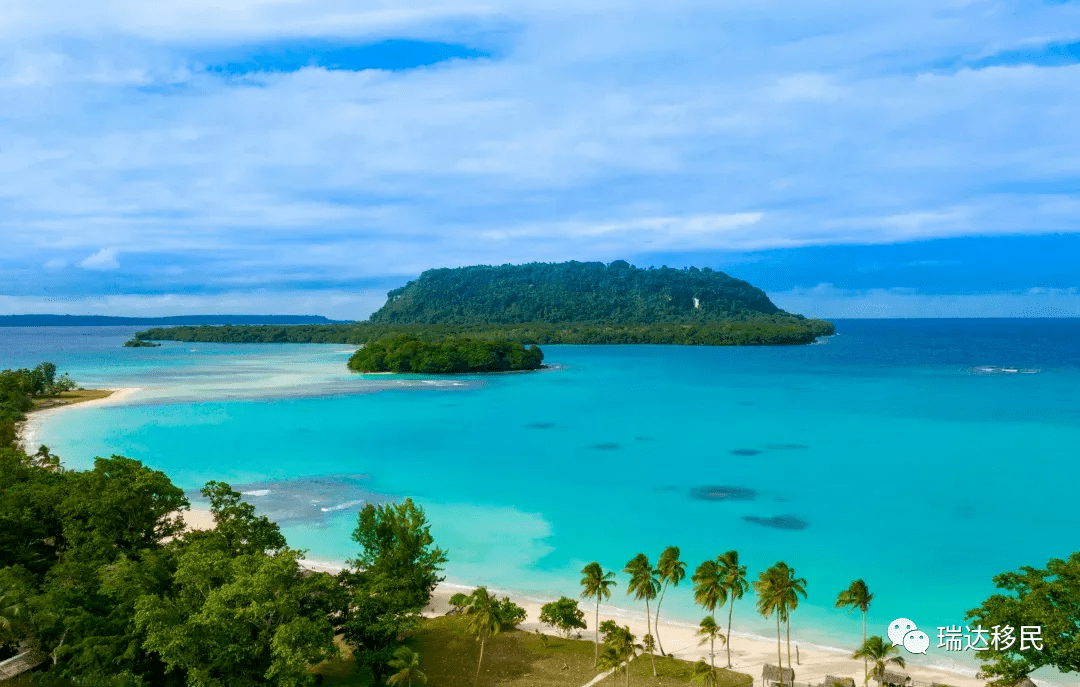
(887, 159)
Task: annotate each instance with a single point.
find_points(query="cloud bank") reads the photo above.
(249, 147)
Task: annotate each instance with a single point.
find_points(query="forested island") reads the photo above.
(560, 303)
(409, 354)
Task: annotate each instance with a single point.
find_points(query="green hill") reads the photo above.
(593, 292)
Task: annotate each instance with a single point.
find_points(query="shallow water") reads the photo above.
(900, 452)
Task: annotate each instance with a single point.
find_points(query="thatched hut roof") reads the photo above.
(772, 673)
(1024, 682)
(894, 679)
(832, 681)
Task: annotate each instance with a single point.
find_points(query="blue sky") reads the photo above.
(890, 159)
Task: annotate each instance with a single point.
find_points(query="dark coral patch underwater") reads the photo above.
(745, 451)
(722, 493)
(604, 447)
(779, 522)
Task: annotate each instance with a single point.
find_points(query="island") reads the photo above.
(140, 343)
(551, 303)
(410, 354)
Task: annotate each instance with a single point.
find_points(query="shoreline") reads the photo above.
(26, 431)
(749, 652)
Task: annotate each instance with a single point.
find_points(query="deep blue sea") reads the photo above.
(923, 456)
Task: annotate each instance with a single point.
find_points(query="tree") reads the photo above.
(483, 622)
(458, 602)
(671, 570)
(407, 663)
(643, 585)
(396, 545)
(733, 579)
(772, 597)
(596, 584)
(619, 646)
(564, 615)
(709, 589)
(857, 595)
(704, 674)
(258, 605)
(708, 630)
(881, 653)
(1048, 597)
(792, 587)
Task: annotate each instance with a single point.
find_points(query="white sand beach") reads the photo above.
(28, 430)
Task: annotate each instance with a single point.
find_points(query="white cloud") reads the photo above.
(56, 264)
(597, 131)
(335, 304)
(104, 259)
(826, 300)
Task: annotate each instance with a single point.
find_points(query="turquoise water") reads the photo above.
(912, 460)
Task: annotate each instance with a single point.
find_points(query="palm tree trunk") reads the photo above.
(648, 614)
(712, 653)
(865, 665)
(596, 627)
(788, 623)
(656, 624)
(731, 608)
(779, 658)
(479, 663)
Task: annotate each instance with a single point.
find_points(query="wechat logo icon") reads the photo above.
(904, 632)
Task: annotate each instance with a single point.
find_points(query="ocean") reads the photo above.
(923, 456)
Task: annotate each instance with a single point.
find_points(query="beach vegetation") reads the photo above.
(710, 591)
(671, 571)
(708, 630)
(644, 584)
(704, 674)
(596, 584)
(407, 664)
(484, 621)
(396, 571)
(563, 615)
(733, 578)
(1047, 598)
(772, 599)
(880, 654)
(857, 596)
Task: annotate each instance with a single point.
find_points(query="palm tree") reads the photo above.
(609, 660)
(733, 577)
(857, 596)
(598, 584)
(881, 653)
(672, 570)
(643, 585)
(483, 622)
(708, 630)
(792, 586)
(709, 590)
(407, 663)
(772, 598)
(619, 648)
(704, 674)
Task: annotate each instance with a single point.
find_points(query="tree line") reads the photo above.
(756, 330)
(18, 391)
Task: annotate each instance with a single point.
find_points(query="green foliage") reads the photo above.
(570, 292)
(19, 388)
(880, 653)
(407, 664)
(399, 567)
(510, 614)
(140, 343)
(1047, 597)
(406, 353)
(564, 615)
(248, 619)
